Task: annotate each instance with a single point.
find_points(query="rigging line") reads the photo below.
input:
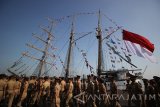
(74, 41)
(33, 44)
(54, 65)
(110, 20)
(61, 62)
(48, 71)
(89, 47)
(118, 28)
(23, 65)
(34, 52)
(144, 70)
(23, 70)
(22, 55)
(117, 53)
(70, 16)
(105, 57)
(28, 71)
(16, 63)
(46, 31)
(63, 34)
(30, 67)
(85, 59)
(82, 69)
(81, 37)
(59, 53)
(63, 46)
(77, 47)
(122, 49)
(20, 67)
(110, 56)
(78, 64)
(30, 59)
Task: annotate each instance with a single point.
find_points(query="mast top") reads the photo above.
(99, 37)
(99, 20)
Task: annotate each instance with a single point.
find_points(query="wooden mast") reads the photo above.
(44, 57)
(45, 52)
(71, 43)
(99, 37)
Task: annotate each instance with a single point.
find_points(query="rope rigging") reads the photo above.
(82, 37)
(59, 20)
(110, 20)
(84, 55)
(117, 44)
(87, 50)
(56, 56)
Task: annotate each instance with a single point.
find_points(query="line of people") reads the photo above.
(149, 97)
(52, 92)
(74, 92)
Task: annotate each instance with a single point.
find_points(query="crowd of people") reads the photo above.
(75, 92)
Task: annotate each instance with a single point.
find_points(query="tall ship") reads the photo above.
(68, 47)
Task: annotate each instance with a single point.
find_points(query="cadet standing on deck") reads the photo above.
(39, 89)
(17, 89)
(96, 91)
(136, 91)
(69, 93)
(104, 102)
(57, 90)
(90, 93)
(62, 93)
(77, 89)
(128, 90)
(23, 91)
(114, 92)
(11, 90)
(45, 91)
(150, 92)
(2, 87)
(156, 85)
(84, 87)
(32, 90)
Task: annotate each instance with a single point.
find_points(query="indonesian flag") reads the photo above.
(139, 45)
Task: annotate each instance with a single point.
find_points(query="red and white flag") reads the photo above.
(139, 45)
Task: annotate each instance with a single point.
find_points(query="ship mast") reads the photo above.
(42, 61)
(44, 57)
(70, 50)
(99, 37)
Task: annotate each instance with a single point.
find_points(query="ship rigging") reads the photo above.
(108, 56)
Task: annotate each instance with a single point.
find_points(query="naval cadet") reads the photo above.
(45, 91)
(90, 93)
(11, 89)
(114, 92)
(69, 93)
(128, 90)
(62, 92)
(104, 101)
(77, 89)
(2, 89)
(136, 91)
(23, 92)
(57, 90)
